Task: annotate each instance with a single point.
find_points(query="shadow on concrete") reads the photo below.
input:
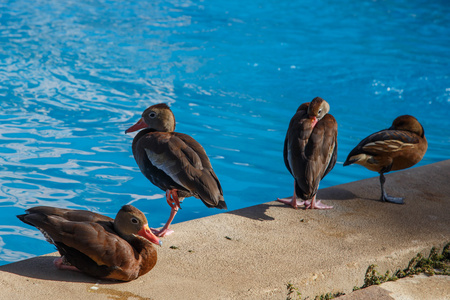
(342, 194)
(42, 267)
(336, 193)
(257, 212)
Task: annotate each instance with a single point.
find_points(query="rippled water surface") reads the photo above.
(75, 74)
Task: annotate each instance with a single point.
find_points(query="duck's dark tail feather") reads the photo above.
(222, 204)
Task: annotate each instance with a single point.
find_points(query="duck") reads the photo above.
(174, 162)
(310, 151)
(119, 249)
(399, 147)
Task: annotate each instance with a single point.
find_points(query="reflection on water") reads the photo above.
(74, 75)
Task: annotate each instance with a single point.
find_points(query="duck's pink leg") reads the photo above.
(174, 202)
(313, 204)
(59, 263)
(292, 201)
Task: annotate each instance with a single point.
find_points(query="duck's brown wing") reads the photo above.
(177, 161)
(69, 214)
(327, 141)
(390, 141)
(206, 184)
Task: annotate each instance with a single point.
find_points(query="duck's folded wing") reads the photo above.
(174, 157)
(388, 141)
(95, 241)
(68, 214)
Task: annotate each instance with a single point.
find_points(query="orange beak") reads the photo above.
(314, 121)
(148, 234)
(139, 125)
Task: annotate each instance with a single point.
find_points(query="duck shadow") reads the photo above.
(335, 193)
(259, 212)
(340, 194)
(256, 212)
(42, 267)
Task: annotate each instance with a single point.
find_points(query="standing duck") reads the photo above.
(174, 162)
(115, 249)
(310, 151)
(399, 147)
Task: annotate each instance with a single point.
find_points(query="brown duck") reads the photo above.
(398, 147)
(310, 151)
(174, 162)
(114, 249)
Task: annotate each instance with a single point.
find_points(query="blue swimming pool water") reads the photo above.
(75, 74)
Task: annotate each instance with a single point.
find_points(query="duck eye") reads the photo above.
(320, 111)
(152, 114)
(134, 221)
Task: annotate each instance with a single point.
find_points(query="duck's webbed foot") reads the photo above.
(387, 198)
(62, 264)
(292, 201)
(384, 196)
(316, 204)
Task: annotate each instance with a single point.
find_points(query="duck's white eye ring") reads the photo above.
(134, 220)
(152, 114)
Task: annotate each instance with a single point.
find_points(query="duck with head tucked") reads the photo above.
(102, 247)
(399, 147)
(310, 151)
(174, 162)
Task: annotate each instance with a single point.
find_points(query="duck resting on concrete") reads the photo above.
(310, 151)
(399, 147)
(102, 247)
(174, 162)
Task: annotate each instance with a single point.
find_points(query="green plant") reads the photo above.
(329, 296)
(291, 290)
(435, 264)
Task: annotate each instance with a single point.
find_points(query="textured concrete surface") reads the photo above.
(254, 252)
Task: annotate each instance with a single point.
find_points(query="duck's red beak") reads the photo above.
(314, 121)
(139, 125)
(148, 234)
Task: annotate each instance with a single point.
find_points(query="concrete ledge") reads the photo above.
(254, 252)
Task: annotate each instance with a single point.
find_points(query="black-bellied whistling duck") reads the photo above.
(310, 151)
(114, 249)
(174, 162)
(399, 147)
